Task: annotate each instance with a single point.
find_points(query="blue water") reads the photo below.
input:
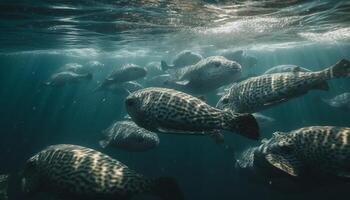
(39, 37)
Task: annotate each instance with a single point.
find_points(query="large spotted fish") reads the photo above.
(259, 93)
(170, 111)
(76, 172)
(316, 150)
(128, 136)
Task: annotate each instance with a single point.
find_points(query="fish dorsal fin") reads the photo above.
(286, 163)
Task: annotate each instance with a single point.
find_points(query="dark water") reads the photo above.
(38, 37)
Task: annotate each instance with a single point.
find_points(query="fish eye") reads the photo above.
(129, 102)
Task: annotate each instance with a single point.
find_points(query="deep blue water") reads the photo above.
(38, 38)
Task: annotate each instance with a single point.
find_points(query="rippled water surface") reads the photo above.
(122, 25)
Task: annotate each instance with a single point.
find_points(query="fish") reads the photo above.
(184, 58)
(207, 75)
(121, 89)
(170, 111)
(126, 73)
(79, 172)
(339, 101)
(286, 68)
(262, 92)
(64, 78)
(320, 151)
(128, 136)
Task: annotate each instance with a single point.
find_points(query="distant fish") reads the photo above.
(183, 59)
(262, 92)
(239, 56)
(339, 101)
(126, 73)
(207, 75)
(263, 120)
(128, 136)
(89, 67)
(77, 172)
(286, 68)
(64, 78)
(170, 111)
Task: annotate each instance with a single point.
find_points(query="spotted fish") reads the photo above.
(315, 150)
(128, 136)
(170, 111)
(81, 173)
(259, 93)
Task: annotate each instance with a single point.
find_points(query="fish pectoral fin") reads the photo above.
(270, 103)
(184, 82)
(286, 163)
(168, 130)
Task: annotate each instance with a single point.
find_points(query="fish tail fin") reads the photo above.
(3, 186)
(245, 124)
(164, 66)
(167, 188)
(340, 69)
